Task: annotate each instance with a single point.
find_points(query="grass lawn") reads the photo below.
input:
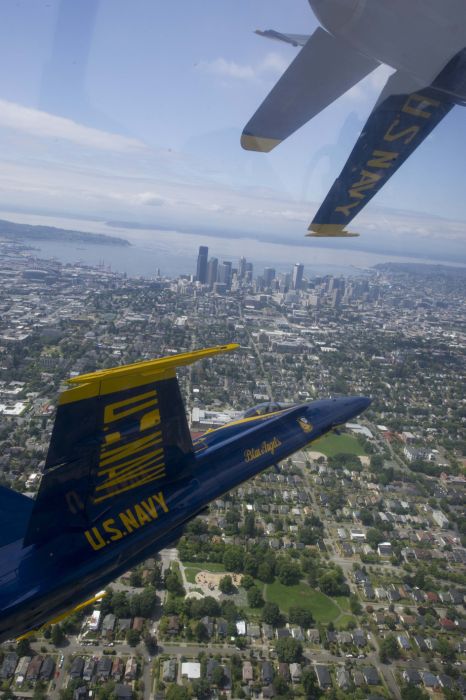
(343, 621)
(321, 606)
(191, 568)
(343, 602)
(332, 444)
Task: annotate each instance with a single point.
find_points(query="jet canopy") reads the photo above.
(267, 407)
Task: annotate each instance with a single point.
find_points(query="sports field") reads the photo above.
(332, 444)
(322, 607)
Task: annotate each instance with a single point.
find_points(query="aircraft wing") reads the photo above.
(293, 39)
(322, 71)
(405, 114)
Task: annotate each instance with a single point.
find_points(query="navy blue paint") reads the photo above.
(41, 580)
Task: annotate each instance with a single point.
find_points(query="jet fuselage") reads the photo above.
(40, 582)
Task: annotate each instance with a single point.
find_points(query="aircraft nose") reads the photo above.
(350, 407)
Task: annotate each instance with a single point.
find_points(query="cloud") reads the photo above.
(44, 125)
(272, 64)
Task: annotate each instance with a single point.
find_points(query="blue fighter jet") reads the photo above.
(423, 41)
(123, 477)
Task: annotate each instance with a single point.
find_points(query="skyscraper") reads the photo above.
(201, 272)
(212, 272)
(242, 268)
(297, 279)
(269, 275)
(224, 273)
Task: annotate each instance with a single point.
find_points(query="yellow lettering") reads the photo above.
(127, 469)
(150, 507)
(150, 420)
(130, 448)
(114, 532)
(390, 135)
(95, 539)
(125, 408)
(346, 208)
(129, 521)
(142, 516)
(422, 101)
(112, 437)
(158, 497)
(382, 159)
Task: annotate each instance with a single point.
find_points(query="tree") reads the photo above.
(389, 649)
(289, 650)
(135, 579)
(289, 572)
(218, 677)
(233, 558)
(310, 685)
(133, 637)
(300, 616)
(265, 572)
(201, 688)
(255, 599)
(173, 584)
(177, 692)
(57, 637)
(226, 585)
(412, 692)
(200, 632)
(374, 536)
(332, 583)
(120, 604)
(23, 648)
(271, 614)
(247, 581)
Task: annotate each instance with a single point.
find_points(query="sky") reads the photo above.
(132, 112)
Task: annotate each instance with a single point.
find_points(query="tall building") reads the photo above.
(224, 273)
(201, 272)
(248, 272)
(212, 272)
(269, 275)
(242, 267)
(297, 279)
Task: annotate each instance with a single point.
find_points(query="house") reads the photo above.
(429, 680)
(8, 666)
(117, 669)
(124, 624)
(138, 624)
(254, 631)
(169, 671)
(88, 671)
(284, 670)
(241, 628)
(77, 666)
(313, 635)
(267, 631)
(191, 669)
(323, 676)
(266, 672)
(123, 692)
(344, 638)
(104, 667)
(32, 673)
(131, 669)
(420, 643)
(208, 624)
(47, 669)
(173, 626)
(80, 693)
(212, 664)
(108, 624)
(247, 672)
(359, 638)
(295, 673)
(384, 549)
(343, 678)
(297, 633)
(403, 642)
(371, 675)
(282, 633)
(411, 676)
(222, 627)
(447, 624)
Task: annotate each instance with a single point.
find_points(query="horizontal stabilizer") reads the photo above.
(403, 117)
(293, 39)
(322, 71)
(15, 510)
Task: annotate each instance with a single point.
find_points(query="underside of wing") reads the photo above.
(403, 117)
(322, 71)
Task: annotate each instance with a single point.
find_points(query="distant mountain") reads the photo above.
(9, 229)
(421, 269)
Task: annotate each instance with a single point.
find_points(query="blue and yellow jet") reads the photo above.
(122, 478)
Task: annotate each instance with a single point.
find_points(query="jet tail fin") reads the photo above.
(322, 71)
(118, 434)
(15, 511)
